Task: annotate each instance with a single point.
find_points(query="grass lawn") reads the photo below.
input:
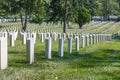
(95, 62)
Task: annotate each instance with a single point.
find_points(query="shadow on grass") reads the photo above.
(115, 75)
(16, 52)
(83, 60)
(17, 59)
(75, 59)
(91, 59)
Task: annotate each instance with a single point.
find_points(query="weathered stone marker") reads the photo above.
(45, 35)
(3, 51)
(77, 43)
(83, 42)
(91, 40)
(61, 44)
(70, 44)
(54, 36)
(48, 48)
(87, 40)
(64, 36)
(16, 34)
(41, 37)
(94, 39)
(34, 37)
(100, 37)
(24, 38)
(12, 40)
(30, 50)
(80, 36)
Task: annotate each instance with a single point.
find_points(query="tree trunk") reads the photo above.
(80, 26)
(64, 26)
(64, 21)
(21, 20)
(25, 23)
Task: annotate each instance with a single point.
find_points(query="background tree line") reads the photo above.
(64, 11)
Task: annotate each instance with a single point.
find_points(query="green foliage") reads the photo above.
(38, 12)
(31, 8)
(3, 8)
(61, 10)
(109, 7)
(83, 16)
(26, 9)
(57, 11)
(74, 12)
(103, 8)
(91, 5)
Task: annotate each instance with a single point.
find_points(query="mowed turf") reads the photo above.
(96, 62)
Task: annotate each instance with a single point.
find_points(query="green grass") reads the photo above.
(117, 29)
(95, 62)
(106, 27)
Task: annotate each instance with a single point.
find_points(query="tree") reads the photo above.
(68, 11)
(93, 7)
(3, 8)
(57, 11)
(90, 5)
(118, 1)
(109, 7)
(80, 14)
(26, 9)
(83, 16)
(61, 11)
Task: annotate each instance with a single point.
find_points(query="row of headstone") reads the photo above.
(44, 27)
(25, 35)
(55, 36)
(87, 39)
(7, 20)
(12, 35)
(30, 38)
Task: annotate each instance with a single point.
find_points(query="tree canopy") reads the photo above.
(25, 9)
(64, 11)
(83, 16)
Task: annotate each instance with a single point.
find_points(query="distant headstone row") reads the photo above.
(29, 38)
